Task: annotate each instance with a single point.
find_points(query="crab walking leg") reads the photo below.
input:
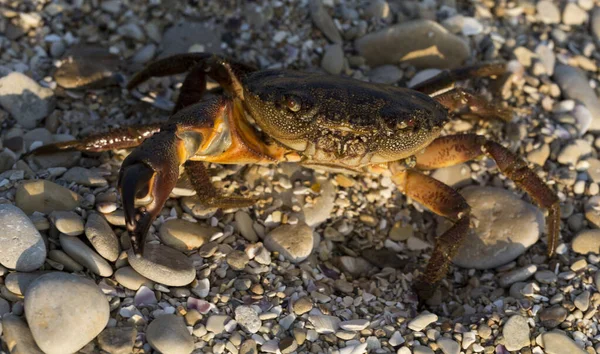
(192, 90)
(459, 99)
(445, 201)
(454, 149)
(445, 79)
(207, 193)
(121, 138)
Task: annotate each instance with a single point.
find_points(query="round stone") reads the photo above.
(247, 317)
(333, 59)
(587, 241)
(82, 254)
(21, 245)
(67, 222)
(65, 312)
(131, 279)
(553, 316)
(294, 242)
(163, 265)
(516, 333)
(185, 235)
(506, 227)
(556, 342)
(302, 306)
(548, 12)
(17, 335)
(102, 237)
(18, 282)
(169, 335)
(45, 197)
(26, 100)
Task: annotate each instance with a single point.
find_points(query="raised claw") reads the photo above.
(135, 182)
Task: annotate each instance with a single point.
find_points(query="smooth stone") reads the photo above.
(574, 15)
(594, 169)
(385, 74)
(355, 266)
(216, 323)
(421, 321)
(448, 346)
(582, 301)
(516, 333)
(553, 316)
(546, 57)
(69, 263)
(323, 21)
(540, 155)
(237, 260)
(517, 275)
(455, 176)
(333, 59)
(45, 197)
(548, 12)
(320, 211)
(595, 23)
(574, 84)
(84, 177)
(67, 222)
(325, 324)
(63, 159)
(22, 247)
(556, 342)
(117, 340)
(145, 54)
(243, 224)
(571, 153)
(87, 66)
(17, 336)
(294, 242)
(185, 235)
(247, 317)
(163, 265)
(507, 226)
(18, 282)
(102, 237)
(169, 335)
(546, 276)
(181, 36)
(355, 325)
(25, 99)
(587, 241)
(65, 312)
(422, 43)
(84, 255)
(4, 309)
(131, 279)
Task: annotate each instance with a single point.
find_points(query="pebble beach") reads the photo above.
(324, 262)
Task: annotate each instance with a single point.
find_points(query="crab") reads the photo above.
(329, 122)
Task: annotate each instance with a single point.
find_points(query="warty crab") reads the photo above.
(337, 123)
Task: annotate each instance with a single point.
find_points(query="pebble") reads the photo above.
(385, 74)
(571, 153)
(169, 335)
(587, 241)
(507, 226)
(454, 176)
(556, 342)
(181, 36)
(117, 340)
(323, 21)
(243, 224)
(4, 308)
(594, 169)
(422, 320)
(102, 237)
(448, 346)
(84, 255)
(421, 349)
(582, 301)
(320, 211)
(248, 347)
(516, 333)
(405, 42)
(131, 279)
(540, 155)
(553, 316)
(574, 15)
(84, 177)
(517, 275)
(25, 99)
(288, 345)
(17, 336)
(546, 57)
(247, 318)
(302, 306)
(21, 245)
(355, 325)
(185, 235)
(163, 265)
(333, 59)
(69, 263)
(145, 54)
(18, 282)
(67, 222)
(294, 242)
(88, 66)
(237, 260)
(574, 85)
(324, 324)
(546, 276)
(548, 12)
(45, 197)
(217, 323)
(49, 307)
(595, 23)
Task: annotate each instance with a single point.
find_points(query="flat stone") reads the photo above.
(64, 159)
(556, 342)
(422, 43)
(324, 324)
(455, 176)
(117, 340)
(243, 224)
(85, 256)
(507, 226)
(67, 222)
(17, 336)
(582, 301)
(45, 197)
(21, 245)
(25, 99)
(355, 325)
(320, 211)
(323, 21)
(247, 317)
(516, 333)
(88, 66)
(131, 279)
(548, 12)
(302, 306)
(385, 74)
(571, 153)
(546, 276)
(574, 84)
(448, 346)
(333, 59)
(169, 335)
(421, 321)
(18, 282)
(553, 316)
(574, 15)
(69, 263)
(185, 235)
(294, 242)
(587, 241)
(163, 265)
(84, 177)
(237, 259)
(102, 237)
(49, 307)
(517, 275)
(216, 323)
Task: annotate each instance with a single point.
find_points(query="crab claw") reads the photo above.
(150, 171)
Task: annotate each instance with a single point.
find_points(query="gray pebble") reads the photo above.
(185, 235)
(18, 282)
(21, 245)
(84, 177)
(17, 334)
(557, 342)
(85, 256)
(131, 279)
(163, 265)
(69, 263)
(553, 316)
(117, 340)
(243, 224)
(546, 276)
(516, 333)
(294, 242)
(516, 275)
(333, 59)
(247, 317)
(574, 84)
(25, 99)
(45, 197)
(324, 22)
(102, 237)
(67, 222)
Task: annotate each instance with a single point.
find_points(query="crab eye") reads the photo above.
(293, 104)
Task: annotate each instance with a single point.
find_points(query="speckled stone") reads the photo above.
(102, 237)
(516, 333)
(21, 245)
